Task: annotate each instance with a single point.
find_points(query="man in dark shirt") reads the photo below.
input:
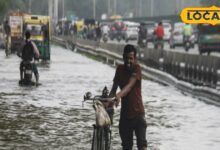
(29, 53)
(132, 117)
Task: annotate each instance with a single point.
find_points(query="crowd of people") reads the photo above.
(90, 31)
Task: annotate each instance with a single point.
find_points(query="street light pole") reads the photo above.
(152, 8)
(182, 3)
(176, 9)
(50, 10)
(94, 9)
(63, 8)
(115, 7)
(29, 6)
(140, 8)
(56, 11)
(108, 7)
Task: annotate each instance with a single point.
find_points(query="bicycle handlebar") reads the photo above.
(99, 98)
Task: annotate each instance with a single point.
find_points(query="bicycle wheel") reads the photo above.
(94, 138)
(99, 139)
(108, 138)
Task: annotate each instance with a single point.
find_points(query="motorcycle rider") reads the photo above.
(29, 52)
(105, 30)
(119, 26)
(159, 33)
(187, 32)
(98, 32)
(142, 33)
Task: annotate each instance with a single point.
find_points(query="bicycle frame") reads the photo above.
(101, 134)
(101, 138)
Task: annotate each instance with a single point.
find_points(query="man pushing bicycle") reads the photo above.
(132, 117)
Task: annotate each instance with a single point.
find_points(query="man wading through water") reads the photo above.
(132, 117)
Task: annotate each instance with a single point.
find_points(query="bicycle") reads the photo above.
(102, 129)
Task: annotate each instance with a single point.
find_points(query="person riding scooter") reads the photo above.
(187, 34)
(29, 53)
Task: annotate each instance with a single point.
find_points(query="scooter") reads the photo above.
(105, 37)
(142, 42)
(119, 36)
(27, 72)
(187, 43)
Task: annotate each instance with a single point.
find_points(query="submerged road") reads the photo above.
(51, 116)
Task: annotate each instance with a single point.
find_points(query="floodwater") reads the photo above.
(52, 117)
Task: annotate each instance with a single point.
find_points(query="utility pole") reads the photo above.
(152, 8)
(50, 8)
(108, 7)
(136, 6)
(176, 7)
(63, 9)
(115, 7)
(182, 4)
(55, 11)
(29, 6)
(94, 9)
(140, 8)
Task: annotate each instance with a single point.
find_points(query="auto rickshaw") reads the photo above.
(39, 26)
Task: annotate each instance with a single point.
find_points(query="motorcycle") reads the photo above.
(142, 42)
(105, 37)
(187, 43)
(119, 36)
(158, 44)
(27, 72)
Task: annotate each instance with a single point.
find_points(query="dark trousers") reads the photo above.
(126, 129)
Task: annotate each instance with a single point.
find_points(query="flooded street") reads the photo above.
(51, 116)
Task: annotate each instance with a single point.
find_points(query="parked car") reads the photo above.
(167, 30)
(176, 37)
(131, 32)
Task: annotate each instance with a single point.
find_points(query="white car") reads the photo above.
(176, 38)
(167, 31)
(131, 32)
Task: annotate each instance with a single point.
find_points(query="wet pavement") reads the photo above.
(51, 116)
